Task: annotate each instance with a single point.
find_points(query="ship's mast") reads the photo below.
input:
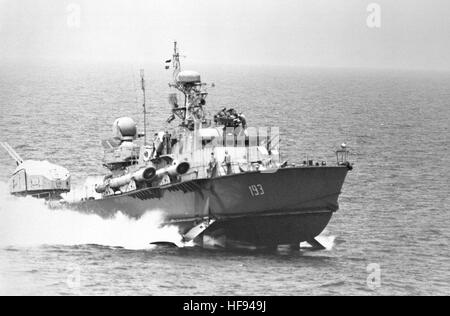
(176, 62)
(176, 70)
(193, 91)
(144, 106)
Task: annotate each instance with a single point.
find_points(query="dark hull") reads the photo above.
(263, 209)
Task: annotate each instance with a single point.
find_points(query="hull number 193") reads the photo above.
(256, 190)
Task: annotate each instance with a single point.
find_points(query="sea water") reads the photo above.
(390, 235)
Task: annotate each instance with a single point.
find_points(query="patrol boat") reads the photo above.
(215, 178)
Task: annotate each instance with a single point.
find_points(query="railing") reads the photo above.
(203, 171)
(342, 155)
(121, 154)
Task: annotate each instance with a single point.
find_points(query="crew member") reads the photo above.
(213, 166)
(243, 120)
(167, 143)
(227, 162)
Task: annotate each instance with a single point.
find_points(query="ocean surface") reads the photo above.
(390, 236)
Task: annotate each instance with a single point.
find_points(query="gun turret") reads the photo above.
(40, 179)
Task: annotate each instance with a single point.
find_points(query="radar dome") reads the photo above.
(188, 76)
(125, 128)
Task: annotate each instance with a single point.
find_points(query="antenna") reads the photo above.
(14, 155)
(144, 106)
(176, 61)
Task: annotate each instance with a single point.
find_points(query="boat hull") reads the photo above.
(287, 206)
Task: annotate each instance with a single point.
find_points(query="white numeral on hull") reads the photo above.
(256, 190)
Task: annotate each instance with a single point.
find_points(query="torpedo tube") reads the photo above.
(142, 175)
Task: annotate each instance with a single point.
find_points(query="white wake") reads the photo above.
(29, 222)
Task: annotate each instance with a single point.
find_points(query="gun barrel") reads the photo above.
(14, 155)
